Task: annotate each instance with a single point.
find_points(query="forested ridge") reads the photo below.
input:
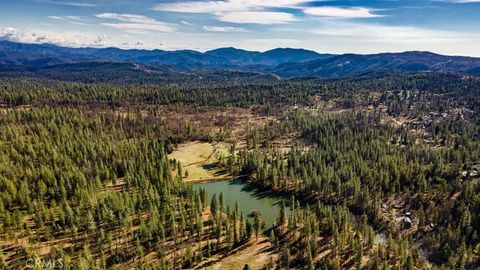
(370, 167)
(86, 181)
(98, 196)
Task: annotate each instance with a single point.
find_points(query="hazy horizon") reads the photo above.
(447, 27)
(257, 51)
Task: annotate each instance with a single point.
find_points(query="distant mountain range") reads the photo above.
(284, 62)
(40, 55)
(355, 64)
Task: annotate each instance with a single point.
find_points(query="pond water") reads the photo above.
(249, 199)
(252, 199)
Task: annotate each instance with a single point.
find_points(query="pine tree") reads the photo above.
(248, 229)
(257, 225)
(272, 238)
(214, 207)
(283, 215)
(188, 259)
(309, 257)
(221, 202)
(3, 263)
(358, 251)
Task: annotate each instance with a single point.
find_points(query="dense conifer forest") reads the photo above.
(377, 172)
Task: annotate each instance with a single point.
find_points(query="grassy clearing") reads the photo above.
(199, 159)
(257, 254)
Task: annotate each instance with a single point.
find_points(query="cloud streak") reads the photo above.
(135, 22)
(78, 20)
(66, 3)
(224, 29)
(256, 17)
(228, 5)
(341, 12)
(239, 11)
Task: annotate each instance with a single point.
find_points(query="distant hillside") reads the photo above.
(269, 58)
(284, 62)
(355, 64)
(40, 55)
(131, 73)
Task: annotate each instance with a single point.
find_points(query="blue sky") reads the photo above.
(442, 26)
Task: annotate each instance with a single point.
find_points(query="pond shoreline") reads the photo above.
(209, 180)
(380, 227)
(249, 198)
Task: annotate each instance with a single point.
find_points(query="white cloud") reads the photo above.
(9, 33)
(186, 23)
(125, 17)
(140, 26)
(239, 11)
(341, 12)
(65, 3)
(136, 22)
(71, 39)
(262, 12)
(343, 37)
(224, 29)
(77, 39)
(64, 18)
(227, 6)
(70, 19)
(256, 17)
(328, 37)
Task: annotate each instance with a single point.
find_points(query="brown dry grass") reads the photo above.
(257, 254)
(199, 160)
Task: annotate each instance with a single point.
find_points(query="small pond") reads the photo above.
(249, 199)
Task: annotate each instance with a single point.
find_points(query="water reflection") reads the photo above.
(249, 198)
